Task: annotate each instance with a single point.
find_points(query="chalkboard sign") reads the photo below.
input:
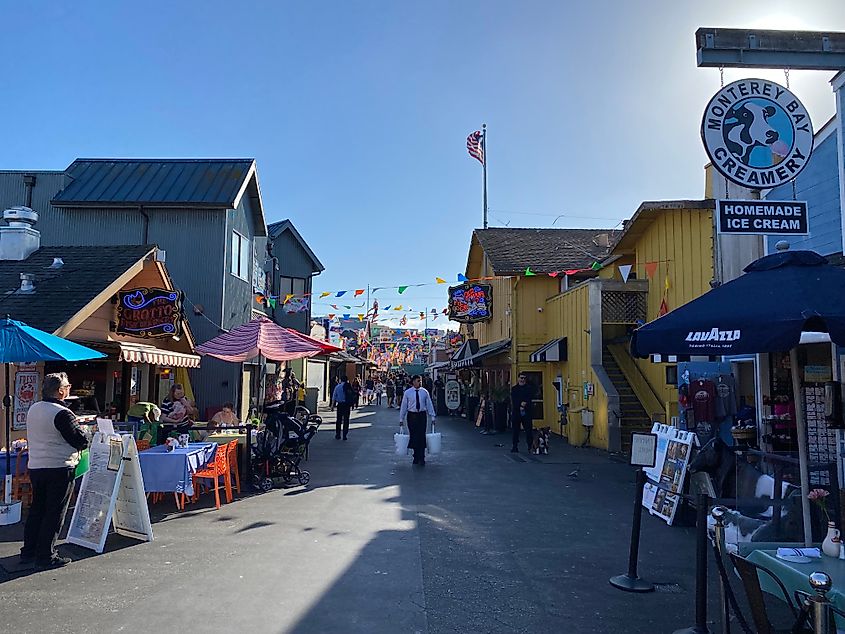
(112, 492)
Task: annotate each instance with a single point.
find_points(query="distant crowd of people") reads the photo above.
(379, 388)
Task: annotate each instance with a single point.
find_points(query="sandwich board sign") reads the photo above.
(643, 449)
(112, 492)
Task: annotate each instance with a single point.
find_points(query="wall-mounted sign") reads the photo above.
(757, 133)
(26, 393)
(768, 217)
(149, 312)
(469, 303)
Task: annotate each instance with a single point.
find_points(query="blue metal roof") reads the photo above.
(155, 182)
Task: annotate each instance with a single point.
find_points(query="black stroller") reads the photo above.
(279, 449)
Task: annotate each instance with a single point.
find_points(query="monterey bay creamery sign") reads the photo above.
(757, 133)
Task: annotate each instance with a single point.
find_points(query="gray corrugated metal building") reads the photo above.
(206, 214)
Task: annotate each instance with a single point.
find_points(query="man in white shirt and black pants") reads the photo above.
(415, 409)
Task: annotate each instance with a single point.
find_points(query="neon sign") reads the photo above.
(470, 303)
(149, 312)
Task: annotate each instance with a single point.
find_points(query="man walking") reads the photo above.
(55, 440)
(522, 395)
(343, 399)
(415, 409)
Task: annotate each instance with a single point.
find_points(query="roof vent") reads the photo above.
(27, 283)
(602, 240)
(18, 240)
(57, 264)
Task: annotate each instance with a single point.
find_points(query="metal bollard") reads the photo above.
(820, 604)
(718, 514)
(700, 627)
(630, 581)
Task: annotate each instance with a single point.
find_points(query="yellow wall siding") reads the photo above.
(500, 327)
(681, 242)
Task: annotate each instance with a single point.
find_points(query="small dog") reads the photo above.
(542, 440)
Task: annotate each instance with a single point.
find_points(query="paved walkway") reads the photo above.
(476, 541)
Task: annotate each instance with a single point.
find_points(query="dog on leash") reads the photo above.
(542, 440)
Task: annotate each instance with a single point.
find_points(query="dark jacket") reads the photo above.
(520, 393)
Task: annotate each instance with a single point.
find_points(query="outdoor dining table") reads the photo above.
(170, 471)
(14, 460)
(796, 577)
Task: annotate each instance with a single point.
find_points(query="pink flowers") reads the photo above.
(818, 496)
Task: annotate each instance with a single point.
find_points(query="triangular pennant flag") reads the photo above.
(624, 271)
(434, 311)
(346, 315)
(340, 293)
(273, 303)
(664, 308)
(595, 266)
(666, 284)
(402, 289)
(462, 278)
(360, 316)
(399, 307)
(553, 274)
(259, 299)
(572, 271)
(287, 297)
(650, 269)
(422, 315)
(331, 315)
(334, 306)
(529, 272)
(348, 307)
(360, 291)
(324, 294)
(387, 307)
(445, 311)
(434, 318)
(439, 280)
(377, 288)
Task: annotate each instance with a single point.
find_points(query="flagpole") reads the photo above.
(484, 167)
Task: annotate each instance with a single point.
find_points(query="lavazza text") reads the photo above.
(774, 217)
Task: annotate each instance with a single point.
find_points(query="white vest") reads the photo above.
(47, 447)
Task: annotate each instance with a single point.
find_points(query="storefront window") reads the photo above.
(241, 256)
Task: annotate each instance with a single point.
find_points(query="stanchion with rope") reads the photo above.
(700, 627)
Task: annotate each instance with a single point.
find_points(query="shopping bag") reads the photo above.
(433, 441)
(401, 441)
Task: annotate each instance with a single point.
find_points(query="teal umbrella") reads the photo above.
(20, 343)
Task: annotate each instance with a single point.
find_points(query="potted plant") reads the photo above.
(500, 395)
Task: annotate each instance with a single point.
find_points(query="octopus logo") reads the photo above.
(757, 133)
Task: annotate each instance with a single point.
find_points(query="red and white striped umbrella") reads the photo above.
(260, 336)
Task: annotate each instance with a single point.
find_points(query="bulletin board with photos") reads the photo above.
(666, 479)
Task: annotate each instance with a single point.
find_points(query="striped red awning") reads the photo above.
(140, 353)
(260, 337)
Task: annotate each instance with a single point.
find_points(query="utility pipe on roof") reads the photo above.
(146, 224)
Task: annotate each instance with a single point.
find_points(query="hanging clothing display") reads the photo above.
(725, 396)
(703, 396)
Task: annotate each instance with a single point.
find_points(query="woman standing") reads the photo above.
(390, 388)
(356, 388)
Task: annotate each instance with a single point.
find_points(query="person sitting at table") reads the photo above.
(225, 417)
(175, 413)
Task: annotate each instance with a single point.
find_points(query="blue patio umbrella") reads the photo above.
(765, 310)
(20, 343)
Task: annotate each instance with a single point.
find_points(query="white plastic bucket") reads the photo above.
(401, 441)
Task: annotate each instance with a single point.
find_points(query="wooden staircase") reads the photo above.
(633, 415)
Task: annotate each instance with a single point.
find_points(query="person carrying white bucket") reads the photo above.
(415, 409)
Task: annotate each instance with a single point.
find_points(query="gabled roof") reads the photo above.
(647, 213)
(62, 293)
(208, 183)
(275, 229)
(511, 251)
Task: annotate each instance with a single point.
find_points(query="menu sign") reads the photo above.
(149, 312)
(469, 303)
(26, 391)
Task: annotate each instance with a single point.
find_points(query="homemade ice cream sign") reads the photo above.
(757, 133)
(149, 312)
(771, 217)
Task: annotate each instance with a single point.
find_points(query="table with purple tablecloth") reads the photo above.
(170, 471)
(13, 461)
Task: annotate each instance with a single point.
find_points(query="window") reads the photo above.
(241, 256)
(298, 286)
(285, 286)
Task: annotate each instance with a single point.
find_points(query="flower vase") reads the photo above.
(831, 543)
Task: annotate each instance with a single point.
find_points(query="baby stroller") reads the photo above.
(279, 449)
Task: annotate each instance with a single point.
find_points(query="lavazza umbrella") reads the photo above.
(20, 343)
(765, 310)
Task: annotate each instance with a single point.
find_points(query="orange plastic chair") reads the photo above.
(21, 483)
(232, 453)
(142, 445)
(213, 471)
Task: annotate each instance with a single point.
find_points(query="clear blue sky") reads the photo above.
(357, 112)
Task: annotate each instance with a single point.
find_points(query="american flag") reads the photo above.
(474, 146)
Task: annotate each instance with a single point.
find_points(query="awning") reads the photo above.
(555, 350)
(490, 349)
(140, 353)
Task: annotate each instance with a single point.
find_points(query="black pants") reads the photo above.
(525, 423)
(342, 419)
(51, 489)
(417, 424)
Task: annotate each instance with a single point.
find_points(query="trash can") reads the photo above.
(311, 398)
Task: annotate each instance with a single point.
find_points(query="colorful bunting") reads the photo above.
(440, 280)
(387, 307)
(399, 307)
(287, 297)
(360, 291)
(272, 302)
(331, 315)
(666, 285)
(259, 299)
(529, 272)
(340, 293)
(348, 307)
(462, 278)
(625, 271)
(324, 294)
(360, 316)
(650, 269)
(402, 289)
(553, 274)
(334, 306)
(664, 308)
(596, 266)
(346, 315)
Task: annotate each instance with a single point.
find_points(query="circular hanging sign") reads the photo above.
(757, 133)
